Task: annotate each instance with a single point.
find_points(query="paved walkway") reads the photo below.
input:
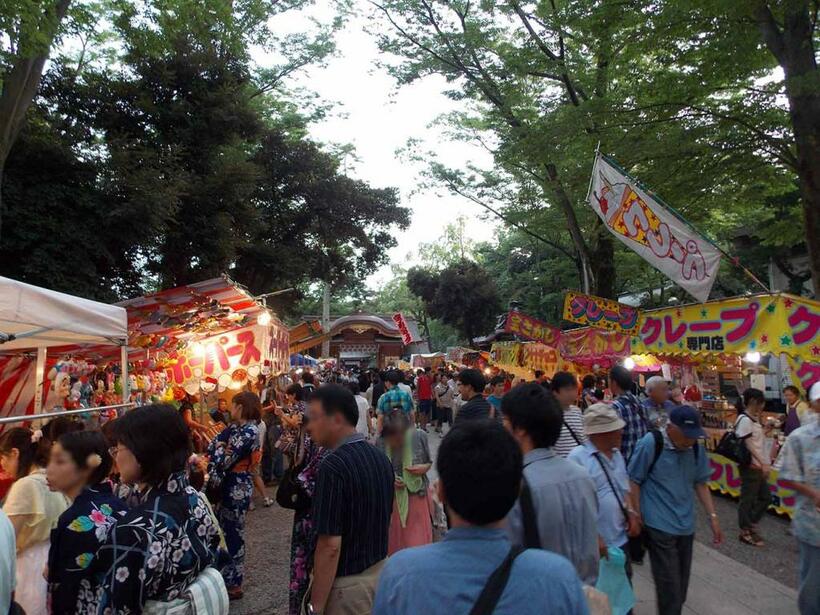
(720, 586)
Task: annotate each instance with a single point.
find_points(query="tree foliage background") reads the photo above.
(156, 153)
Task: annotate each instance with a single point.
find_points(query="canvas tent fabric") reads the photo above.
(41, 318)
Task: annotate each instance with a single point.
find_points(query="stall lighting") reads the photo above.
(264, 318)
(629, 363)
(488, 371)
(752, 357)
(197, 348)
(299, 371)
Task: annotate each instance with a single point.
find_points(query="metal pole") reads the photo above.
(126, 389)
(326, 319)
(50, 415)
(39, 380)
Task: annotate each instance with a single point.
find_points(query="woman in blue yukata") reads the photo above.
(232, 455)
(157, 550)
(78, 468)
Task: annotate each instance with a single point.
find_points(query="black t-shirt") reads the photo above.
(354, 500)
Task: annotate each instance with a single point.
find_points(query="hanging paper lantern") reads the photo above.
(266, 368)
(239, 375)
(253, 371)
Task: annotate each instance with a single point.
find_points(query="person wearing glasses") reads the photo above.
(165, 543)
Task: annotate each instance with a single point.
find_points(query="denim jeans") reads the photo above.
(671, 559)
(808, 598)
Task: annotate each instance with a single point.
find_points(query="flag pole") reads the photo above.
(733, 259)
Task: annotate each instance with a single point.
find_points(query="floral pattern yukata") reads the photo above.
(80, 532)
(303, 538)
(153, 552)
(231, 453)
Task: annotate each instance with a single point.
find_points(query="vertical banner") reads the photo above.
(648, 228)
(401, 323)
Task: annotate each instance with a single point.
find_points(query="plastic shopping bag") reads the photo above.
(613, 582)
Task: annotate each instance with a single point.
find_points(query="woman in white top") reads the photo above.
(754, 487)
(33, 510)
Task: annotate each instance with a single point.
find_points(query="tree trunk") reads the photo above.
(793, 47)
(603, 262)
(21, 82)
(556, 187)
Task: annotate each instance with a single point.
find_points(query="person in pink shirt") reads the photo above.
(424, 390)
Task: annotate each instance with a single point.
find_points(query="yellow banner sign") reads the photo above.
(763, 323)
(600, 313)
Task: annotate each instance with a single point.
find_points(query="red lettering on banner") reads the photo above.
(673, 334)
(651, 330)
(803, 316)
(747, 317)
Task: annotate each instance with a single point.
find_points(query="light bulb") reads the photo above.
(629, 363)
(264, 318)
(752, 357)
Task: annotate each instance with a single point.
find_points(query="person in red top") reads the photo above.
(424, 390)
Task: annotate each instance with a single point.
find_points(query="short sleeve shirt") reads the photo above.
(395, 398)
(31, 497)
(354, 500)
(801, 464)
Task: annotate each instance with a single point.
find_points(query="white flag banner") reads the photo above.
(648, 228)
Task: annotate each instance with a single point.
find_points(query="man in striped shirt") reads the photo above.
(351, 507)
(565, 388)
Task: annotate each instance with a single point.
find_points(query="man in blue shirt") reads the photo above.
(564, 508)
(667, 470)
(657, 405)
(479, 466)
(394, 398)
(601, 456)
(630, 409)
(801, 472)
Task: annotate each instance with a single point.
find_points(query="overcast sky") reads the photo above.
(378, 120)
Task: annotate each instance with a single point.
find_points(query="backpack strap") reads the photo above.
(658, 437)
(491, 594)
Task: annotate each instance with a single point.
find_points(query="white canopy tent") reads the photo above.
(37, 318)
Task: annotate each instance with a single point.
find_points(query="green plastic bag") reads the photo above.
(613, 582)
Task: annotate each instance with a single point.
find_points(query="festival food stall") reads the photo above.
(715, 350)
(43, 337)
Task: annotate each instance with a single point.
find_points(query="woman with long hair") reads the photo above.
(33, 510)
(409, 452)
(231, 456)
(78, 468)
(165, 543)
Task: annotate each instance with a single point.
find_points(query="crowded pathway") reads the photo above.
(733, 580)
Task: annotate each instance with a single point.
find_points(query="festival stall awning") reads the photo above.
(301, 360)
(33, 317)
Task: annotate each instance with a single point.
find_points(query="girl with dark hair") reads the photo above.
(162, 546)
(754, 484)
(231, 455)
(291, 415)
(78, 468)
(33, 510)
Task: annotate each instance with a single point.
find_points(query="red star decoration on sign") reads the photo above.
(788, 302)
(764, 339)
(815, 350)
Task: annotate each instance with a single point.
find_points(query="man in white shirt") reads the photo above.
(363, 424)
(8, 562)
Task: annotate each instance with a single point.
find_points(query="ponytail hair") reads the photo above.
(34, 448)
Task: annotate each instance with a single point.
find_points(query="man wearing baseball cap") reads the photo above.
(801, 472)
(601, 456)
(667, 470)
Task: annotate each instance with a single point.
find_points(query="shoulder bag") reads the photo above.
(491, 594)
(734, 448)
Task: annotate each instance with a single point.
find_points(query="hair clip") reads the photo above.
(36, 435)
(93, 461)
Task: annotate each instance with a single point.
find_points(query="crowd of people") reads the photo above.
(543, 487)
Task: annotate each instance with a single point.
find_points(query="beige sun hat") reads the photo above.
(601, 418)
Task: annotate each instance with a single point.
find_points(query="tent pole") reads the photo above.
(39, 380)
(126, 393)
